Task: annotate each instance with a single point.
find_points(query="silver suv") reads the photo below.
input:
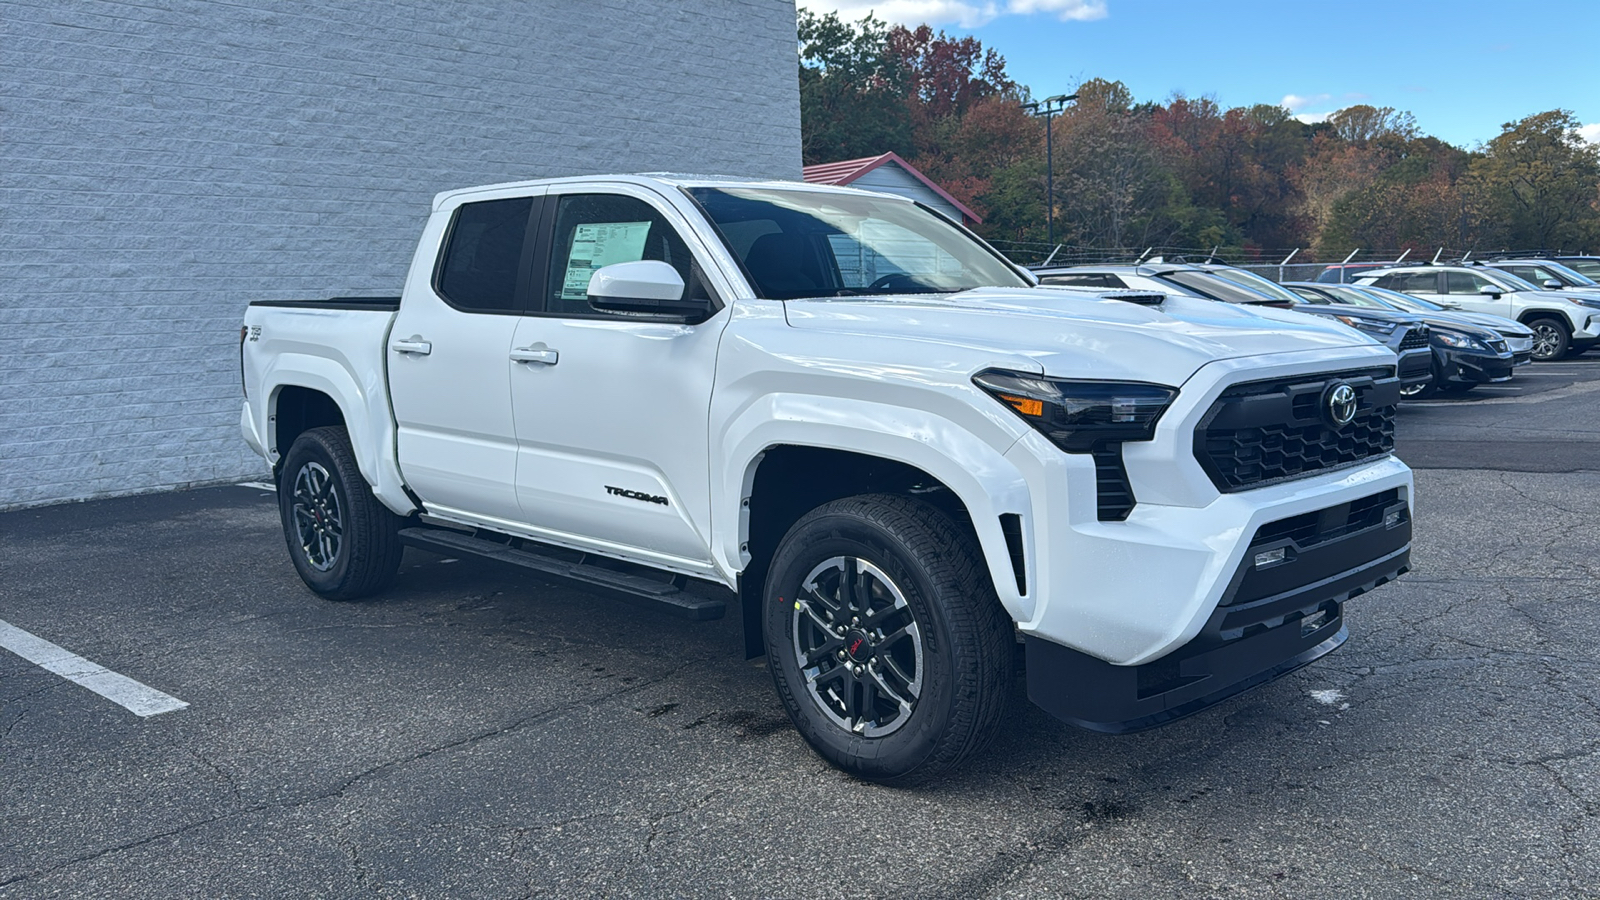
(1563, 322)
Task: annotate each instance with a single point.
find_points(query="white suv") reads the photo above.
(1562, 322)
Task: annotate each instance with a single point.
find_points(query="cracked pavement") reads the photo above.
(480, 733)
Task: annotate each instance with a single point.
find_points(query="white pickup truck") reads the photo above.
(850, 417)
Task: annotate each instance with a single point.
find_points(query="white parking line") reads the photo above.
(139, 699)
(258, 485)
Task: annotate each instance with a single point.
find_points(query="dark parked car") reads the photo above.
(1465, 355)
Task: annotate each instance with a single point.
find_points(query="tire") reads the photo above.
(1550, 339)
(343, 542)
(1421, 392)
(927, 656)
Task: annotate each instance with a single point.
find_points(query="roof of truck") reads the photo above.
(656, 180)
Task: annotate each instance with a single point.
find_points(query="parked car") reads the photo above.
(1344, 273)
(1406, 336)
(862, 424)
(1518, 337)
(1545, 273)
(1588, 266)
(1464, 355)
(1561, 322)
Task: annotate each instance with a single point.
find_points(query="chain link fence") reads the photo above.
(1288, 264)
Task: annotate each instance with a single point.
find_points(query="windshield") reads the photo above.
(1359, 298)
(1506, 280)
(1258, 284)
(1567, 276)
(799, 243)
(1403, 301)
(1206, 285)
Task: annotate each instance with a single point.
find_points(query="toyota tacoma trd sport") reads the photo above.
(895, 452)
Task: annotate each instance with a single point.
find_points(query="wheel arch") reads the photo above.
(309, 392)
(785, 480)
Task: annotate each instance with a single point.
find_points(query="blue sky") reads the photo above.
(1462, 68)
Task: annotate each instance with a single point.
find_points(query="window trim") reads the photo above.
(520, 290)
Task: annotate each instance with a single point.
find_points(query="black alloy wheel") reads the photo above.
(858, 646)
(887, 645)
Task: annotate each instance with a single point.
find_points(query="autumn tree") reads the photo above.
(852, 90)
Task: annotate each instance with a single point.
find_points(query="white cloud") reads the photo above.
(1590, 133)
(1296, 103)
(962, 13)
(1313, 118)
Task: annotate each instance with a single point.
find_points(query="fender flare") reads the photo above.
(365, 409)
(977, 472)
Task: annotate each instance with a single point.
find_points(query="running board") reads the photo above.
(656, 592)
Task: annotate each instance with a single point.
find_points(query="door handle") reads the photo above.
(414, 344)
(538, 353)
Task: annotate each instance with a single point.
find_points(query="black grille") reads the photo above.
(1268, 431)
(1415, 338)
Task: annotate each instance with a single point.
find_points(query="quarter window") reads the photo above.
(484, 255)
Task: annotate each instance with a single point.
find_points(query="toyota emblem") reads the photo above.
(1339, 402)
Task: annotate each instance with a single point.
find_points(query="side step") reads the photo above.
(656, 592)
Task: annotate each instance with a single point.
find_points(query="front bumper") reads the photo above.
(1275, 617)
(1415, 367)
(1464, 367)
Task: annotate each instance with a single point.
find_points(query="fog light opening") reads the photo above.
(1393, 517)
(1269, 557)
(1313, 621)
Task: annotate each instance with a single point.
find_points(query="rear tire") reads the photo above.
(343, 542)
(886, 642)
(1550, 339)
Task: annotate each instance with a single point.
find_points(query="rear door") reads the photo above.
(449, 370)
(612, 410)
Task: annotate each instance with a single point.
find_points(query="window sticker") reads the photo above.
(597, 245)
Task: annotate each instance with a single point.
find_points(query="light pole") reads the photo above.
(1049, 107)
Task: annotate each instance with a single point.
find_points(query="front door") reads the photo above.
(612, 410)
(1464, 289)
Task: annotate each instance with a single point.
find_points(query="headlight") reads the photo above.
(1459, 340)
(1576, 302)
(1078, 415)
(1370, 326)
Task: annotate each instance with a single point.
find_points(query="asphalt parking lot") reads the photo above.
(479, 733)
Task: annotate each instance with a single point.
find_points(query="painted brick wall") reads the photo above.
(162, 162)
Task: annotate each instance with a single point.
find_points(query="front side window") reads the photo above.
(592, 231)
(798, 243)
(483, 255)
(1465, 283)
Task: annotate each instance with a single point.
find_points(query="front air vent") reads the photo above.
(1112, 489)
(1011, 527)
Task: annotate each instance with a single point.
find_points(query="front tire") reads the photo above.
(343, 542)
(1550, 339)
(887, 644)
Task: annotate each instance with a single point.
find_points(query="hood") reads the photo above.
(1071, 334)
(1497, 324)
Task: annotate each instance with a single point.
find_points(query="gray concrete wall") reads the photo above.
(162, 162)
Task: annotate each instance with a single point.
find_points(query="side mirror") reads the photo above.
(1551, 284)
(1491, 291)
(647, 286)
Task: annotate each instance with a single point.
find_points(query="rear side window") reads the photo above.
(1466, 282)
(484, 255)
(1411, 282)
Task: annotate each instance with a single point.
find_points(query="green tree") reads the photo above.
(1537, 185)
(852, 90)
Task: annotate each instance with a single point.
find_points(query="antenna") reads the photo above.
(1403, 256)
(1143, 255)
(1436, 256)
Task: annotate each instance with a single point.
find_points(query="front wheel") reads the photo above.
(343, 542)
(1550, 339)
(886, 642)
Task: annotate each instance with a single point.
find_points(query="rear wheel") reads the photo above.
(343, 542)
(886, 642)
(1550, 339)
(1420, 391)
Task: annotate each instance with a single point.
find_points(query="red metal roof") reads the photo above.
(847, 171)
